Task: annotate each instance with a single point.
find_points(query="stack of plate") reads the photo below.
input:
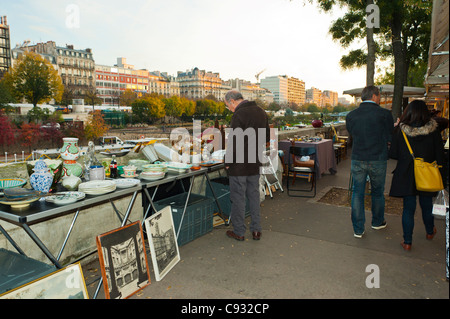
(126, 182)
(152, 176)
(97, 187)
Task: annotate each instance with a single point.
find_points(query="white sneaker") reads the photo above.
(358, 235)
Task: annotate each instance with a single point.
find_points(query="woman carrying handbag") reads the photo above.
(417, 128)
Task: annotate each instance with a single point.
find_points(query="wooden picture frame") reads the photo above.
(163, 242)
(123, 261)
(65, 283)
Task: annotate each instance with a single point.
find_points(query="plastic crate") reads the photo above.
(17, 270)
(222, 192)
(198, 219)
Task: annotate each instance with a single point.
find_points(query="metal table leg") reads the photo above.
(41, 245)
(216, 199)
(123, 222)
(9, 238)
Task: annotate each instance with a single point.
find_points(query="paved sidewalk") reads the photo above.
(307, 250)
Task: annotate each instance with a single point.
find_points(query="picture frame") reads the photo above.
(65, 283)
(123, 261)
(162, 241)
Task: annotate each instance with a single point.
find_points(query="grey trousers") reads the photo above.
(242, 187)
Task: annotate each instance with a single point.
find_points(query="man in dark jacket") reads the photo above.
(246, 142)
(370, 127)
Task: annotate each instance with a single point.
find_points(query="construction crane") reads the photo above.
(258, 74)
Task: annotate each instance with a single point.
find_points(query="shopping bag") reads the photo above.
(440, 204)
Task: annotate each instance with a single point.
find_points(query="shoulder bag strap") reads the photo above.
(407, 144)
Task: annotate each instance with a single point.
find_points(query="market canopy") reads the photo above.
(388, 90)
(437, 80)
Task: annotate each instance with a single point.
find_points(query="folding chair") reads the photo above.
(307, 169)
(270, 175)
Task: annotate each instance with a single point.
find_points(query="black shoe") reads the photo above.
(256, 235)
(383, 225)
(231, 234)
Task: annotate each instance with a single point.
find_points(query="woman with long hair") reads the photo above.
(426, 142)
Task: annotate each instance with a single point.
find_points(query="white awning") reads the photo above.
(437, 77)
(388, 90)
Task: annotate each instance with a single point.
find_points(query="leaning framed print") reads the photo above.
(65, 283)
(123, 261)
(163, 242)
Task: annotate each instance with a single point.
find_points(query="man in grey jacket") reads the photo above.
(249, 135)
(370, 127)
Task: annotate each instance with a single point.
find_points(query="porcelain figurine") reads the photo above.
(70, 152)
(41, 179)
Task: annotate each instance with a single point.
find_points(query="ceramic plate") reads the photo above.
(126, 182)
(123, 175)
(19, 204)
(151, 178)
(99, 187)
(64, 198)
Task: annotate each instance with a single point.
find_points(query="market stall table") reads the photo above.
(326, 161)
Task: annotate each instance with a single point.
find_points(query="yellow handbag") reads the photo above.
(427, 175)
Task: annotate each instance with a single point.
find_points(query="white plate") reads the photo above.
(97, 187)
(19, 204)
(126, 182)
(65, 198)
(151, 178)
(97, 184)
(123, 175)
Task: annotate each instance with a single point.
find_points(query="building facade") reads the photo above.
(5, 46)
(330, 98)
(296, 91)
(314, 95)
(75, 67)
(197, 84)
(278, 85)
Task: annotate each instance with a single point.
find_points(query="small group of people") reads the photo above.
(376, 138)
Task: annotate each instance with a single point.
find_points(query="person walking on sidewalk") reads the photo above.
(424, 136)
(370, 127)
(242, 162)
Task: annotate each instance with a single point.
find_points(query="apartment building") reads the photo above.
(330, 98)
(250, 91)
(112, 81)
(76, 67)
(278, 85)
(5, 46)
(197, 84)
(314, 95)
(296, 91)
(164, 84)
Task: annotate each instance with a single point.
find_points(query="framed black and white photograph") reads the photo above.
(163, 242)
(123, 261)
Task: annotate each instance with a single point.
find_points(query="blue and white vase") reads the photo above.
(41, 179)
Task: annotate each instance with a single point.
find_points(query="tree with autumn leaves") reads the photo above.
(96, 126)
(34, 79)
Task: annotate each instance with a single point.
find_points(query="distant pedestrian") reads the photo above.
(242, 161)
(370, 127)
(424, 137)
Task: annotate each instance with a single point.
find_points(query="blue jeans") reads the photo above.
(376, 171)
(409, 208)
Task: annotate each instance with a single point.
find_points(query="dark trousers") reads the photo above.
(242, 188)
